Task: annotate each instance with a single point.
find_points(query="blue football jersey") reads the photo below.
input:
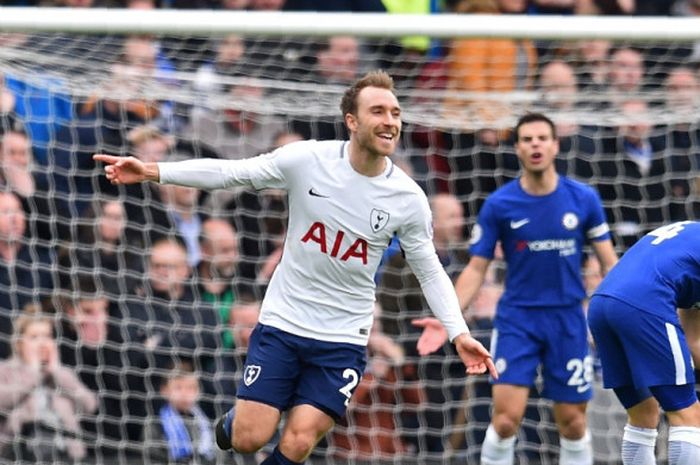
(660, 272)
(542, 239)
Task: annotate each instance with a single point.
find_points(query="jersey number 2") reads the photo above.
(346, 390)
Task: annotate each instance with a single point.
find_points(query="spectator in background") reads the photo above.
(625, 76)
(560, 97)
(448, 232)
(488, 65)
(102, 250)
(681, 90)
(41, 399)
(591, 58)
(19, 174)
(182, 204)
(8, 103)
(632, 166)
(25, 267)
(228, 61)
(217, 272)
(182, 432)
(176, 326)
(244, 317)
(105, 349)
(16, 164)
(240, 128)
(681, 105)
(338, 60)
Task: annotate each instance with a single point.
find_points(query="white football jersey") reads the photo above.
(340, 223)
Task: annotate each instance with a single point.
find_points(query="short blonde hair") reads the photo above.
(378, 78)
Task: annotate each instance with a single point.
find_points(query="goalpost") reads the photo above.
(232, 84)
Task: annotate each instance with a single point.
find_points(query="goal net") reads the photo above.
(148, 286)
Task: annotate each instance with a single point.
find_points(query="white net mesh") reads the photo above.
(627, 115)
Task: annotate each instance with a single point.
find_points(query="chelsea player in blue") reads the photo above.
(542, 220)
(645, 353)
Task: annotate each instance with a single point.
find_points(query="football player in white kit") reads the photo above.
(346, 201)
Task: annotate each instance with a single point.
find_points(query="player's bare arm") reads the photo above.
(606, 254)
(471, 279)
(128, 170)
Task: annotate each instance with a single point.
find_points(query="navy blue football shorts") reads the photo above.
(284, 370)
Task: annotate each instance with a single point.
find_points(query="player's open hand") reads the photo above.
(126, 170)
(474, 356)
(433, 336)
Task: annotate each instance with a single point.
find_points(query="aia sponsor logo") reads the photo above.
(339, 246)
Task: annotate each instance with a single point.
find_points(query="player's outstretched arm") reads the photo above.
(127, 170)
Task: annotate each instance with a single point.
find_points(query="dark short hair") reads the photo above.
(378, 78)
(533, 118)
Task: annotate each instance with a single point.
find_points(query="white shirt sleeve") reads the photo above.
(260, 172)
(440, 294)
(416, 239)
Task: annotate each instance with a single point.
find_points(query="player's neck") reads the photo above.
(539, 183)
(366, 163)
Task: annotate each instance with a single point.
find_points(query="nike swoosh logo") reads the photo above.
(584, 388)
(313, 193)
(519, 224)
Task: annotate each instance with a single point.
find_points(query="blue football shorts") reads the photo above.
(284, 370)
(637, 348)
(554, 340)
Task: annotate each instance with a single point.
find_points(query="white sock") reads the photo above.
(683, 445)
(638, 446)
(497, 450)
(576, 451)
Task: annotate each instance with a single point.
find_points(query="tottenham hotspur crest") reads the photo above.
(378, 219)
(251, 373)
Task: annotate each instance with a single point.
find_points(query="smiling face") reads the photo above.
(377, 124)
(536, 147)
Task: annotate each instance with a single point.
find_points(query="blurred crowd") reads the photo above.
(125, 311)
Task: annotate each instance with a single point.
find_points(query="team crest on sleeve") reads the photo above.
(570, 221)
(378, 219)
(251, 373)
(476, 234)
